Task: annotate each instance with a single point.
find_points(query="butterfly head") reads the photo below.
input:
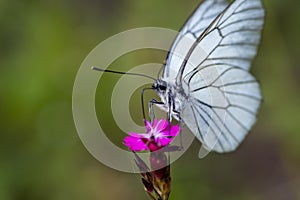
(160, 86)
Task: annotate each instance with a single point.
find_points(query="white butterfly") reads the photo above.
(206, 81)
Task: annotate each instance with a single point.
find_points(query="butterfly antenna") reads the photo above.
(118, 72)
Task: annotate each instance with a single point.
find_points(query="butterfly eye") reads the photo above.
(162, 87)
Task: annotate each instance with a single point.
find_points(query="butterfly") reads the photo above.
(205, 82)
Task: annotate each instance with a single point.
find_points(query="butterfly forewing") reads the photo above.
(190, 32)
(218, 44)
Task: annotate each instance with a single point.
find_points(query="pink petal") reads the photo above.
(155, 122)
(148, 126)
(135, 143)
(174, 130)
(153, 146)
(165, 141)
(161, 125)
(139, 135)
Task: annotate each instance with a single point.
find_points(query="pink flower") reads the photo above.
(158, 135)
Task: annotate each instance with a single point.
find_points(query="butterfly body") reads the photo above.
(172, 97)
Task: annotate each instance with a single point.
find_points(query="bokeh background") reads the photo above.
(42, 44)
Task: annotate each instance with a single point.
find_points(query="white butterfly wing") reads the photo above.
(223, 96)
(189, 33)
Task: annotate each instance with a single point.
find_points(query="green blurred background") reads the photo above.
(42, 44)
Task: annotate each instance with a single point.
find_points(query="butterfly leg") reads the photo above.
(180, 125)
(151, 109)
(177, 116)
(142, 101)
(171, 107)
